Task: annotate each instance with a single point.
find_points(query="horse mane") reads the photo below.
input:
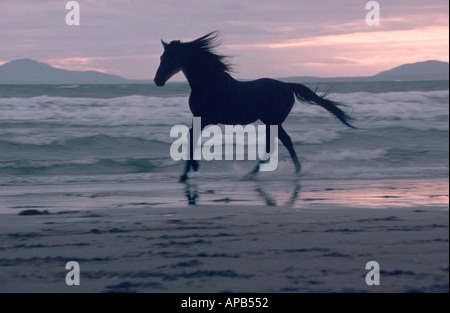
(203, 49)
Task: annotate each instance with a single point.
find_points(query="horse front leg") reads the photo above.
(191, 163)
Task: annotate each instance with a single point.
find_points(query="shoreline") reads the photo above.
(297, 193)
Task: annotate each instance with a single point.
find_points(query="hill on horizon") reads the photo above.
(432, 70)
(427, 70)
(27, 71)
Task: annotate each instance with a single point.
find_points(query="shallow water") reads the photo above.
(112, 142)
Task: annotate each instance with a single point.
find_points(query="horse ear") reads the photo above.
(164, 44)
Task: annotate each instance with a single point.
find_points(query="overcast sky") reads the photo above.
(267, 38)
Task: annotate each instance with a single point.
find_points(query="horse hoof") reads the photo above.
(252, 174)
(249, 177)
(183, 178)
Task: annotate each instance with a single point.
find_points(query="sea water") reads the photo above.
(54, 136)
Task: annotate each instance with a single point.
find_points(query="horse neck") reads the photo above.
(201, 77)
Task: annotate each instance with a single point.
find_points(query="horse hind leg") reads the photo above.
(287, 142)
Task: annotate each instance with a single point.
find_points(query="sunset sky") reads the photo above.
(266, 38)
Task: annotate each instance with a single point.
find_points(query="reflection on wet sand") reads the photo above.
(310, 194)
(191, 191)
(271, 201)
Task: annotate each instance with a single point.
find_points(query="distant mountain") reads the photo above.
(26, 71)
(428, 70)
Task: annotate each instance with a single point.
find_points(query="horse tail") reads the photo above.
(303, 93)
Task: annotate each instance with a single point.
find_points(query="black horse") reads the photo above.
(218, 98)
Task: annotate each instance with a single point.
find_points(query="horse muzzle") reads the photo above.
(159, 82)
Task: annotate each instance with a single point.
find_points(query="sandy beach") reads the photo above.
(311, 244)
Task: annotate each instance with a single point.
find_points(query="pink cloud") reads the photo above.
(357, 53)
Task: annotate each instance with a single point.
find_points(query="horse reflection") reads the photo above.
(192, 194)
(270, 201)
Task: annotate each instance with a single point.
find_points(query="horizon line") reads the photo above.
(102, 71)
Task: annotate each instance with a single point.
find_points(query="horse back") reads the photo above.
(243, 102)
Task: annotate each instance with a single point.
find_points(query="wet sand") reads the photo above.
(306, 245)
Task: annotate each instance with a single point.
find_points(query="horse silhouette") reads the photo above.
(218, 98)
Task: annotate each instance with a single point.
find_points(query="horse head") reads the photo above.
(170, 62)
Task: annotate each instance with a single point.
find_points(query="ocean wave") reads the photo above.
(354, 154)
(392, 104)
(399, 134)
(89, 145)
(145, 110)
(122, 111)
(79, 167)
(67, 86)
